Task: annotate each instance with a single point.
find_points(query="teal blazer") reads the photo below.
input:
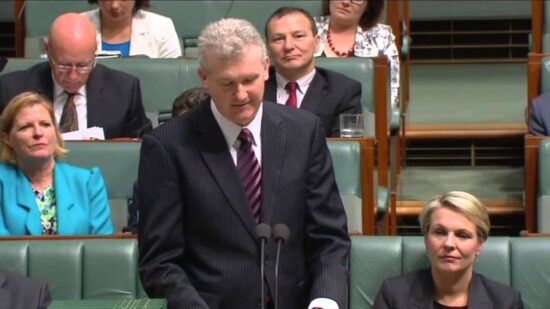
(81, 198)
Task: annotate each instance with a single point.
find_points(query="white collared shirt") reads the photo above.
(303, 85)
(231, 131)
(60, 98)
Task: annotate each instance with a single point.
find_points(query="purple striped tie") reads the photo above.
(250, 173)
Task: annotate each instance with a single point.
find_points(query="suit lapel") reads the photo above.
(94, 96)
(273, 150)
(422, 292)
(64, 201)
(46, 86)
(478, 297)
(213, 148)
(26, 200)
(4, 294)
(315, 94)
(270, 91)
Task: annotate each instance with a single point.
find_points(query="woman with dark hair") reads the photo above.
(350, 28)
(124, 26)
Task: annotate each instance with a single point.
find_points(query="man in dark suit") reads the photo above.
(291, 42)
(539, 124)
(199, 207)
(84, 94)
(20, 292)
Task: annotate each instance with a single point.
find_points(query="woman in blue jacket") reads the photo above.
(38, 195)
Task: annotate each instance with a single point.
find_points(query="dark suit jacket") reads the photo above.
(197, 242)
(329, 95)
(113, 97)
(539, 124)
(415, 291)
(20, 292)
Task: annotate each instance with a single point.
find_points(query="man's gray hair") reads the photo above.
(227, 37)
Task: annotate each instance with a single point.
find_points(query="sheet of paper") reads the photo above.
(95, 133)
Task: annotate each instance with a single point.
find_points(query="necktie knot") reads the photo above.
(291, 87)
(246, 136)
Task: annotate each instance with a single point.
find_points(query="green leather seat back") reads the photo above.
(76, 269)
(359, 68)
(543, 191)
(39, 15)
(117, 161)
(248, 10)
(531, 270)
(346, 160)
(545, 75)
(161, 80)
(375, 258)
(18, 64)
(372, 259)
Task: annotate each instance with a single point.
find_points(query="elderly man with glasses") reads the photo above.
(84, 94)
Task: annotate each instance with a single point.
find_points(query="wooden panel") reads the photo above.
(537, 24)
(454, 131)
(531, 157)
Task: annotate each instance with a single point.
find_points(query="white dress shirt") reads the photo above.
(303, 85)
(60, 98)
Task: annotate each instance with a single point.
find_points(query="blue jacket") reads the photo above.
(81, 198)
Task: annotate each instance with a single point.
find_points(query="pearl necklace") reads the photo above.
(346, 53)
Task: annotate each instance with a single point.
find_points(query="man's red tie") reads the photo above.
(250, 173)
(292, 98)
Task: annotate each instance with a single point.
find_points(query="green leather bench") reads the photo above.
(522, 263)
(106, 269)
(118, 162)
(75, 269)
(543, 192)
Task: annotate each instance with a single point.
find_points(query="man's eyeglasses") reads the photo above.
(357, 2)
(80, 68)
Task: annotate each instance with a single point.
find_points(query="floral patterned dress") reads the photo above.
(376, 41)
(47, 209)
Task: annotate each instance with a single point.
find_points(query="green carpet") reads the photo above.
(468, 93)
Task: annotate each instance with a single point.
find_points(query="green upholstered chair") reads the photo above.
(543, 192)
(118, 162)
(18, 64)
(346, 158)
(39, 16)
(373, 75)
(161, 81)
(78, 268)
(519, 262)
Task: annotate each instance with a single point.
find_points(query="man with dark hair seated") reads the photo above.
(294, 80)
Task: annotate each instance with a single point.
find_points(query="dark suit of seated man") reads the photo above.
(208, 177)
(20, 292)
(291, 42)
(539, 124)
(83, 94)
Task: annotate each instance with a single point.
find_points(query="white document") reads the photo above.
(95, 133)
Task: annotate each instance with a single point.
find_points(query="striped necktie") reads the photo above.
(250, 173)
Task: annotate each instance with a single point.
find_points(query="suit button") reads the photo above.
(259, 303)
(266, 262)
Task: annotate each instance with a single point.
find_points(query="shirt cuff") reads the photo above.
(323, 303)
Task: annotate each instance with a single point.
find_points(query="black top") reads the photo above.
(440, 306)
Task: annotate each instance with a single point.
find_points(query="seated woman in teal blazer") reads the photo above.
(38, 195)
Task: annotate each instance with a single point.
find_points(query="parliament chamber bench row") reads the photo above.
(162, 80)
(107, 269)
(353, 161)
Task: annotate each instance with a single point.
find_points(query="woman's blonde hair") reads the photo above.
(14, 107)
(462, 202)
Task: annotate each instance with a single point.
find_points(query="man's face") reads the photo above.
(291, 44)
(71, 65)
(236, 86)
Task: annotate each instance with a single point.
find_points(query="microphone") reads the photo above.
(280, 233)
(263, 233)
